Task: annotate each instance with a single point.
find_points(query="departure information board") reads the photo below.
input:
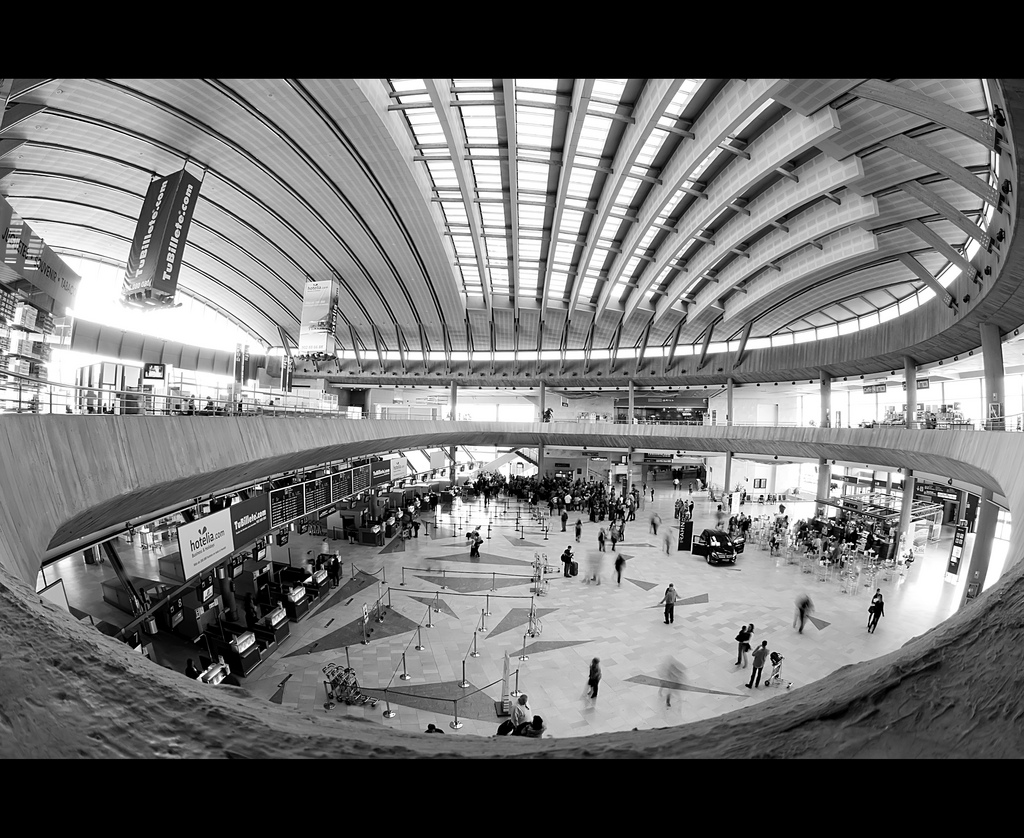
(341, 485)
(318, 493)
(286, 505)
(360, 479)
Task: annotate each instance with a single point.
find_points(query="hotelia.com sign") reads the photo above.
(205, 542)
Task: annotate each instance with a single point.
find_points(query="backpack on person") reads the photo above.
(506, 728)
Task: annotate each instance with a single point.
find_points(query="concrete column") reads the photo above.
(888, 482)
(908, 499)
(453, 403)
(540, 460)
(826, 401)
(992, 356)
(728, 401)
(984, 533)
(629, 469)
(824, 478)
(629, 413)
(910, 376)
(543, 404)
(726, 487)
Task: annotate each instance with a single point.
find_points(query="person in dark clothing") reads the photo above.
(669, 601)
(433, 729)
(620, 564)
(334, 571)
(565, 517)
(743, 641)
(579, 530)
(191, 670)
(877, 610)
(595, 677)
(804, 606)
(252, 615)
(567, 561)
(760, 653)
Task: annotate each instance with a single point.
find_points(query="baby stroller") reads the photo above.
(776, 675)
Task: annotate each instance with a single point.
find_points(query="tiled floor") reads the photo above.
(622, 624)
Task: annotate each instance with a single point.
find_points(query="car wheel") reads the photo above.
(709, 558)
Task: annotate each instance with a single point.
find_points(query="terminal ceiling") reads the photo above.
(578, 218)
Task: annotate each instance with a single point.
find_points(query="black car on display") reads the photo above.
(717, 546)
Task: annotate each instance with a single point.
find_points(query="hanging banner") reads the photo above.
(205, 542)
(399, 468)
(874, 388)
(380, 473)
(317, 326)
(151, 276)
(250, 520)
(238, 363)
(438, 460)
(245, 363)
(30, 265)
(922, 384)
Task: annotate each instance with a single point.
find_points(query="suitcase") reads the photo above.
(574, 568)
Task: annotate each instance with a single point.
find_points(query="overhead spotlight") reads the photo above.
(988, 270)
(833, 462)
(776, 383)
(967, 298)
(940, 363)
(862, 377)
(1007, 187)
(950, 481)
(1001, 235)
(956, 357)
(970, 352)
(759, 384)
(776, 456)
(844, 378)
(899, 471)
(1000, 117)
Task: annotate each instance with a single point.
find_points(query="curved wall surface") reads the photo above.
(65, 690)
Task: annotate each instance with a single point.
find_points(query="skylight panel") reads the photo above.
(530, 216)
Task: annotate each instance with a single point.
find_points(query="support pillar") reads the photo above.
(543, 403)
(910, 377)
(728, 472)
(453, 402)
(826, 401)
(984, 533)
(540, 461)
(629, 469)
(908, 499)
(728, 401)
(994, 398)
(629, 414)
(824, 479)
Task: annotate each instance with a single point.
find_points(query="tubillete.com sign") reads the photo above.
(205, 542)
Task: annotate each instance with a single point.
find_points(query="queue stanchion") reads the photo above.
(488, 530)
(405, 676)
(428, 624)
(455, 724)
(444, 586)
(483, 620)
(419, 647)
(515, 693)
(402, 583)
(437, 603)
(487, 606)
(389, 597)
(348, 663)
(493, 586)
(384, 574)
(463, 683)
(474, 653)
(524, 656)
(389, 713)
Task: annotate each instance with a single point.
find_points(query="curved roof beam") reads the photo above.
(508, 89)
(439, 91)
(657, 95)
(581, 92)
(736, 101)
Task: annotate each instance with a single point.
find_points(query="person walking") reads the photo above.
(672, 679)
(614, 535)
(669, 601)
(620, 564)
(743, 645)
(877, 610)
(675, 484)
(602, 537)
(565, 517)
(655, 520)
(760, 653)
(668, 541)
(579, 530)
(567, 561)
(652, 494)
(804, 606)
(594, 678)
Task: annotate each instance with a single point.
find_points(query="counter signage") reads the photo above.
(874, 388)
(205, 542)
(956, 552)
(250, 520)
(922, 384)
(282, 538)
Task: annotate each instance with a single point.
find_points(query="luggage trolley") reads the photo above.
(342, 685)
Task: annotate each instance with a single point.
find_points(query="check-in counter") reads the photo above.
(237, 646)
(275, 624)
(318, 585)
(214, 674)
(115, 594)
(296, 603)
(253, 577)
(366, 535)
(196, 616)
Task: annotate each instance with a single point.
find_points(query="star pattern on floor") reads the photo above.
(439, 698)
(351, 634)
(818, 624)
(471, 584)
(442, 606)
(539, 646)
(642, 584)
(697, 599)
(676, 685)
(485, 558)
(517, 617)
(350, 588)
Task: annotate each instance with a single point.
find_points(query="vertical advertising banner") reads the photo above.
(238, 363)
(317, 326)
(159, 241)
(205, 542)
(399, 468)
(245, 363)
(250, 520)
(956, 552)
